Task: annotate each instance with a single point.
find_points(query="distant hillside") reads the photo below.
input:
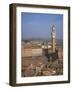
(36, 39)
(59, 41)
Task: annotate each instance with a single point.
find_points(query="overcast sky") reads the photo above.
(35, 25)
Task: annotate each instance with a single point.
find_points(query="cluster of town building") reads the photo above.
(42, 57)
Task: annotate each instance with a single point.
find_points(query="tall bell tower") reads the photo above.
(53, 37)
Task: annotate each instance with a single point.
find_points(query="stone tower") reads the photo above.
(53, 37)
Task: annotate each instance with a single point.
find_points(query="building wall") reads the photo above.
(28, 52)
(37, 52)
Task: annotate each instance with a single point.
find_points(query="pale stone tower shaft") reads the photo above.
(53, 37)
